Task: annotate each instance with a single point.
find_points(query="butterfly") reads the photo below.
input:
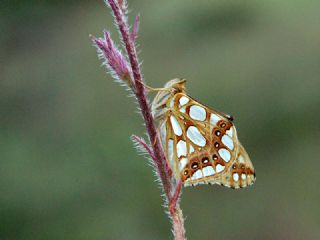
(201, 144)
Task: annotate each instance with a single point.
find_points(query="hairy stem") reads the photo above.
(171, 191)
(144, 145)
(142, 97)
(178, 224)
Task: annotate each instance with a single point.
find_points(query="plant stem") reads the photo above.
(141, 96)
(178, 224)
(171, 191)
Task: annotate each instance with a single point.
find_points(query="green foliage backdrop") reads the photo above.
(67, 166)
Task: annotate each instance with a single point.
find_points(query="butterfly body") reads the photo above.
(201, 144)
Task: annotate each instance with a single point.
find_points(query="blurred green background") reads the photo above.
(67, 166)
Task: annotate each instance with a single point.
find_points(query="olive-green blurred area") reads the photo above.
(68, 169)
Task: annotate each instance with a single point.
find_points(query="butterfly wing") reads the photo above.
(241, 174)
(202, 145)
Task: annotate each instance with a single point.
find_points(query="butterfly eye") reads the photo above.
(234, 166)
(194, 165)
(223, 125)
(185, 172)
(218, 133)
(216, 144)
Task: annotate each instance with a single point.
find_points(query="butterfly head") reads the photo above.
(176, 85)
(172, 87)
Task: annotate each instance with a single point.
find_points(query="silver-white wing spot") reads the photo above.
(197, 113)
(226, 140)
(198, 174)
(225, 154)
(176, 126)
(208, 171)
(195, 136)
(230, 132)
(219, 168)
(183, 109)
(170, 150)
(183, 162)
(183, 100)
(163, 133)
(181, 148)
(241, 159)
(214, 119)
(191, 149)
(235, 177)
(243, 176)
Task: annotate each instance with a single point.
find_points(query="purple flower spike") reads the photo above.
(135, 29)
(123, 6)
(114, 60)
